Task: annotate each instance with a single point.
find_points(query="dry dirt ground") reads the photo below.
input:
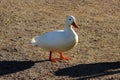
(96, 57)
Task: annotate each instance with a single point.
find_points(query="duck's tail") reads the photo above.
(34, 41)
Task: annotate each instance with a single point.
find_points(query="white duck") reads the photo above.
(58, 40)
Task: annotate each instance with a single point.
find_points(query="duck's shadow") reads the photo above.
(86, 71)
(8, 67)
(81, 71)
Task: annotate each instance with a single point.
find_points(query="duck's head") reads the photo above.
(70, 20)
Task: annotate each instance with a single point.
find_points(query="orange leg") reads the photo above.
(50, 57)
(62, 57)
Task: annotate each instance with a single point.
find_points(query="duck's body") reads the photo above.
(58, 40)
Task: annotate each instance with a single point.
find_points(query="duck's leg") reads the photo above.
(50, 57)
(62, 57)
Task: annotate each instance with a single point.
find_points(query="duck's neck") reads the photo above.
(68, 28)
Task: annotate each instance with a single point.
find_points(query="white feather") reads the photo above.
(59, 40)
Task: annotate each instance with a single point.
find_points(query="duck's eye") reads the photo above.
(70, 19)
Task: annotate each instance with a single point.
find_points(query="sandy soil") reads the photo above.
(96, 57)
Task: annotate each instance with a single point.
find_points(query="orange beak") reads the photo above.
(75, 25)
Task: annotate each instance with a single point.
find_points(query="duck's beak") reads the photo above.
(74, 24)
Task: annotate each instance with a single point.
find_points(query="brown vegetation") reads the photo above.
(96, 57)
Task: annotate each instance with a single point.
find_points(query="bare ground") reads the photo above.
(96, 57)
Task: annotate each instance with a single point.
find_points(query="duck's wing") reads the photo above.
(51, 38)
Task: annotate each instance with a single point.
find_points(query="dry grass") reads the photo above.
(99, 39)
